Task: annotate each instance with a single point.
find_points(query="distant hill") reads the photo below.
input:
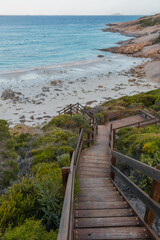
(117, 14)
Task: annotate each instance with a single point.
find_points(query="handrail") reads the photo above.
(153, 120)
(67, 204)
(151, 202)
(145, 198)
(66, 222)
(122, 112)
(144, 168)
(78, 108)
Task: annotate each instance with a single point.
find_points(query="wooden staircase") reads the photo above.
(101, 211)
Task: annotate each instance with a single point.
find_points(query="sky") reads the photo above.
(79, 7)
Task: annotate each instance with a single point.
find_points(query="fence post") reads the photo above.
(113, 162)
(155, 195)
(88, 138)
(114, 137)
(65, 173)
(71, 109)
(71, 153)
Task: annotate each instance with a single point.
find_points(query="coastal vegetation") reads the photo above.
(149, 21)
(32, 199)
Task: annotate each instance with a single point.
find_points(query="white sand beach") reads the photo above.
(39, 93)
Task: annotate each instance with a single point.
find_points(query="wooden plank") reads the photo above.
(98, 189)
(94, 175)
(147, 200)
(104, 213)
(94, 180)
(99, 198)
(94, 185)
(97, 165)
(94, 193)
(102, 205)
(106, 222)
(112, 233)
(144, 168)
(93, 169)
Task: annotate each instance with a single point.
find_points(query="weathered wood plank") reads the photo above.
(101, 205)
(104, 213)
(93, 169)
(94, 175)
(105, 189)
(104, 194)
(112, 233)
(95, 181)
(106, 222)
(99, 198)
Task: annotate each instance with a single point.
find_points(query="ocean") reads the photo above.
(28, 42)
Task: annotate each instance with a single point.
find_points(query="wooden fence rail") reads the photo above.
(151, 202)
(68, 176)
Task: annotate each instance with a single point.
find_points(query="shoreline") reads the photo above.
(145, 43)
(33, 97)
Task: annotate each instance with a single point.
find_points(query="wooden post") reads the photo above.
(113, 162)
(88, 138)
(71, 109)
(77, 107)
(80, 129)
(114, 137)
(65, 173)
(71, 153)
(155, 195)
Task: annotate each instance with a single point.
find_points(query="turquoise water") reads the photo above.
(28, 42)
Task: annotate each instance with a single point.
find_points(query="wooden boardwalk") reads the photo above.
(101, 211)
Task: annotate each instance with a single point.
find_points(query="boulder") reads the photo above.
(8, 94)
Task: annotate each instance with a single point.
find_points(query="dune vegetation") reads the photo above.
(31, 166)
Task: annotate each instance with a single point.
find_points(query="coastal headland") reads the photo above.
(145, 43)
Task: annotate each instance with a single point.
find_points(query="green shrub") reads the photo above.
(4, 130)
(144, 145)
(30, 229)
(18, 203)
(64, 160)
(50, 195)
(63, 149)
(10, 174)
(58, 121)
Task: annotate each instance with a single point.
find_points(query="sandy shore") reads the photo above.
(33, 97)
(145, 43)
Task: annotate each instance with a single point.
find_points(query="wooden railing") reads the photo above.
(151, 202)
(121, 113)
(68, 176)
(79, 109)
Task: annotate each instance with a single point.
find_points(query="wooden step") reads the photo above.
(106, 222)
(102, 205)
(94, 175)
(111, 233)
(92, 169)
(100, 189)
(105, 193)
(104, 213)
(99, 198)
